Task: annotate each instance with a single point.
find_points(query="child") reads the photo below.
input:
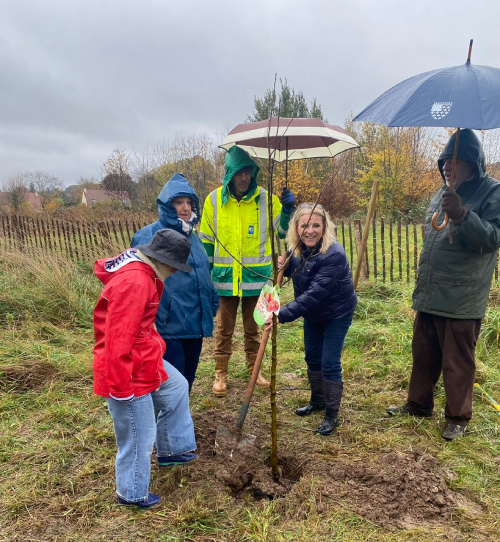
(129, 370)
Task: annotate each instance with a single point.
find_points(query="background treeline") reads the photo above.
(402, 159)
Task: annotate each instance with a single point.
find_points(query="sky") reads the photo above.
(79, 78)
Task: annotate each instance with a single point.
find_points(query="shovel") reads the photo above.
(231, 441)
(237, 440)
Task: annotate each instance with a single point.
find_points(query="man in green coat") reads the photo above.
(453, 283)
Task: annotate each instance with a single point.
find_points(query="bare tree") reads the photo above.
(116, 178)
(15, 187)
(44, 184)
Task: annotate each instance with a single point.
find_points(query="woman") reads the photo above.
(129, 370)
(325, 298)
(190, 301)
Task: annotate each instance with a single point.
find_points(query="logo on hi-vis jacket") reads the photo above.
(250, 230)
(440, 109)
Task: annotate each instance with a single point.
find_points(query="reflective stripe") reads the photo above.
(281, 231)
(213, 199)
(226, 260)
(276, 221)
(206, 237)
(223, 285)
(252, 285)
(250, 260)
(263, 223)
(210, 259)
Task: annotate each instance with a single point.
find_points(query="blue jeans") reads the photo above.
(323, 343)
(184, 355)
(136, 431)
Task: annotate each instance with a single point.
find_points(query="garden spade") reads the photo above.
(228, 442)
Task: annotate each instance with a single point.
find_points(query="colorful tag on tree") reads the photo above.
(267, 304)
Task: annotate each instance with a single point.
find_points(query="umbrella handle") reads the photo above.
(443, 225)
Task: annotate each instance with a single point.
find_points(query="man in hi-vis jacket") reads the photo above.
(235, 228)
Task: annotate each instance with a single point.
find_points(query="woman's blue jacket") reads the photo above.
(189, 301)
(322, 285)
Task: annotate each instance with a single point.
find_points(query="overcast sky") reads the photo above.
(81, 77)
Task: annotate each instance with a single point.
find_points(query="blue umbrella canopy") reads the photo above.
(466, 96)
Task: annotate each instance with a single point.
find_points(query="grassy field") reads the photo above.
(376, 478)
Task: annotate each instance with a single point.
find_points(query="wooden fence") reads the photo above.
(390, 256)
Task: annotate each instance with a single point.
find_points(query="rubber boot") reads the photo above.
(317, 401)
(261, 381)
(333, 397)
(220, 383)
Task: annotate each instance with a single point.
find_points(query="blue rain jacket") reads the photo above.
(189, 301)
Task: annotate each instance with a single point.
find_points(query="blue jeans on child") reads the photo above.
(136, 431)
(323, 343)
(184, 355)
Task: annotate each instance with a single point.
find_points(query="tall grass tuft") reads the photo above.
(47, 288)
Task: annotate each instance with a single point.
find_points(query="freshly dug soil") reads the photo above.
(396, 491)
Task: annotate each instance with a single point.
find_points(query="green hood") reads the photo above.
(235, 160)
(469, 150)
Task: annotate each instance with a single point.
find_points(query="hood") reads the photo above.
(178, 186)
(106, 268)
(469, 150)
(235, 160)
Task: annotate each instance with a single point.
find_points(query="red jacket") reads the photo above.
(128, 352)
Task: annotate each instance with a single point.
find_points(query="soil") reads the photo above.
(396, 491)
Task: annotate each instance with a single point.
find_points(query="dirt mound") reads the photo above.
(30, 375)
(397, 491)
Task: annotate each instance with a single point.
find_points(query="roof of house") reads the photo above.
(30, 197)
(99, 196)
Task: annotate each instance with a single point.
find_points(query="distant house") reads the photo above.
(93, 197)
(30, 198)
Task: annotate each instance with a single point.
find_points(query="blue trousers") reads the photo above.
(184, 355)
(323, 343)
(136, 431)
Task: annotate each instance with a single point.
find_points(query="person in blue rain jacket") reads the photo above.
(190, 301)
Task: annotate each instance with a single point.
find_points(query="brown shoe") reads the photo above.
(220, 383)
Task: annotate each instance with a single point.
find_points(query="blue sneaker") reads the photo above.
(172, 460)
(144, 504)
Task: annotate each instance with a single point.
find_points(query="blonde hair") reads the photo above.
(292, 236)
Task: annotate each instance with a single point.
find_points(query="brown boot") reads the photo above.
(220, 383)
(261, 381)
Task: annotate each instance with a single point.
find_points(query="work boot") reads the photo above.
(317, 401)
(333, 396)
(220, 383)
(261, 381)
(452, 431)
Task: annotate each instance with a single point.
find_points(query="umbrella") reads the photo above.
(465, 96)
(289, 139)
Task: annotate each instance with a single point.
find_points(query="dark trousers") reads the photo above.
(184, 355)
(226, 320)
(323, 343)
(444, 345)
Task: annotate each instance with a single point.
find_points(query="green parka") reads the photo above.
(454, 279)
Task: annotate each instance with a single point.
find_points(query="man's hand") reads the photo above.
(452, 204)
(287, 201)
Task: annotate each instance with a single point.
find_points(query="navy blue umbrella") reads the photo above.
(466, 96)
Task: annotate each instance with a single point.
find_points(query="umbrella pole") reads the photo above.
(453, 164)
(364, 241)
(286, 163)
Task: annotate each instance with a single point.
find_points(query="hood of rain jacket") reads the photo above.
(189, 301)
(457, 263)
(235, 160)
(128, 351)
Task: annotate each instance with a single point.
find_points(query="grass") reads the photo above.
(57, 446)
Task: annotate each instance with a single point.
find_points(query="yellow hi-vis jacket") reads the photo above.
(240, 229)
